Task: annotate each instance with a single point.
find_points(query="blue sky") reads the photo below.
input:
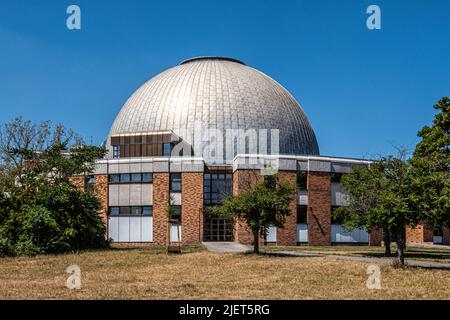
(362, 90)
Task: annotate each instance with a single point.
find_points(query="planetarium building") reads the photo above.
(207, 128)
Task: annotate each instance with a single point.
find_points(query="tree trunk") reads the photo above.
(256, 241)
(387, 242)
(400, 262)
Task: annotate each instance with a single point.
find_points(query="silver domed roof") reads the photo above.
(220, 93)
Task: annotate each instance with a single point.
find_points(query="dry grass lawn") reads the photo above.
(146, 274)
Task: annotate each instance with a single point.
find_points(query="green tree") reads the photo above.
(260, 206)
(380, 198)
(41, 211)
(431, 168)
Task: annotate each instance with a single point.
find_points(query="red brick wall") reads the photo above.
(101, 191)
(415, 235)
(78, 182)
(287, 236)
(192, 207)
(319, 208)
(160, 203)
(375, 237)
(242, 180)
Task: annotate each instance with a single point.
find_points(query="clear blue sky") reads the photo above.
(362, 90)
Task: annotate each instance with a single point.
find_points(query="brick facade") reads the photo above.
(101, 191)
(287, 236)
(376, 237)
(242, 180)
(319, 208)
(192, 207)
(160, 203)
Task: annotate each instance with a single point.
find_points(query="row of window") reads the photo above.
(131, 178)
(302, 211)
(142, 150)
(131, 211)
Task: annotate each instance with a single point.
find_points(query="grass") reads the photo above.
(412, 252)
(151, 274)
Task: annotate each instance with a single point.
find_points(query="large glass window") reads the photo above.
(302, 212)
(116, 152)
(302, 180)
(89, 183)
(166, 149)
(216, 187)
(336, 177)
(175, 182)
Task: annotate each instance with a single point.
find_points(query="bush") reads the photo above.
(40, 231)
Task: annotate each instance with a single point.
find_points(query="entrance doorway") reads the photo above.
(217, 229)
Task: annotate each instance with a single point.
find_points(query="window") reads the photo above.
(333, 219)
(114, 178)
(136, 177)
(131, 211)
(270, 181)
(176, 215)
(125, 177)
(116, 152)
(302, 214)
(89, 183)
(147, 177)
(302, 180)
(166, 149)
(147, 211)
(131, 178)
(175, 182)
(114, 211)
(336, 177)
(216, 187)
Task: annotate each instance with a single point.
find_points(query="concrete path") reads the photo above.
(224, 247)
(409, 262)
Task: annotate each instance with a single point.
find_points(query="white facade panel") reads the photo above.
(271, 234)
(124, 195)
(302, 233)
(174, 233)
(124, 229)
(135, 194)
(147, 229)
(340, 235)
(113, 197)
(135, 229)
(176, 198)
(338, 195)
(147, 194)
(113, 228)
(302, 197)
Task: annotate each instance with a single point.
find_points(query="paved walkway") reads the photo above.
(224, 247)
(409, 262)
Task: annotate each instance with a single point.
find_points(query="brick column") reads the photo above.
(192, 207)
(242, 180)
(375, 237)
(160, 203)
(287, 236)
(319, 208)
(415, 235)
(101, 191)
(78, 182)
(446, 236)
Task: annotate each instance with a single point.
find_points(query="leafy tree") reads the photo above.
(260, 206)
(40, 210)
(380, 198)
(431, 168)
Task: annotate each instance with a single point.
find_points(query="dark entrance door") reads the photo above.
(216, 229)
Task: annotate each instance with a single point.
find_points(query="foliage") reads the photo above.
(431, 168)
(260, 206)
(40, 210)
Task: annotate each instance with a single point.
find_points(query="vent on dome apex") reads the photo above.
(211, 58)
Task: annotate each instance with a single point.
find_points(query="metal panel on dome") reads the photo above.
(214, 93)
